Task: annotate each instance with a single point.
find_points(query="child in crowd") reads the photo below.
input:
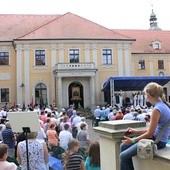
(92, 162)
(71, 159)
(5, 165)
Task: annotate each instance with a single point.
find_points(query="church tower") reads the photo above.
(153, 22)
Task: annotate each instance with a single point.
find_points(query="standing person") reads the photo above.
(83, 136)
(65, 121)
(160, 115)
(52, 136)
(92, 161)
(97, 113)
(70, 111)
(65, 136)
(9, 139)
(47, 124)
(4, 164)
(107, 111)
(75, 121)
(72, 160)
(38, 153)
(2, 127)
(102, 114)
(83, 120)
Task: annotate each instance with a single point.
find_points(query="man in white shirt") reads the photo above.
(75, 121)
(65, 136)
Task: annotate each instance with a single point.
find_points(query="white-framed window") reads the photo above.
(40, 57)
(160, 64)
(107, 56)
(4, 94)
(74, 55)
(4, 58)
(141, 64)
(156, 45)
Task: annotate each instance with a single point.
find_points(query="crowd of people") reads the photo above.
(65, 129)
(111, 113)
(69, 130)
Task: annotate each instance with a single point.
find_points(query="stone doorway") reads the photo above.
(41, 94)
(76, 98)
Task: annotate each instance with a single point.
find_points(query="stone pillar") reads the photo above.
(60, 97)
(120, 60)
(92, 92)
(19, 74)
(151, 66)
(61, 53)
(53, 62)
(27, 98)
(94, 53)
(87, 53)
(127, 61)
(111, 134)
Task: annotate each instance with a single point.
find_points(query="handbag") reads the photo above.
(147, 148)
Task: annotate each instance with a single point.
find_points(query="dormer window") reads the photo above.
(156, 45)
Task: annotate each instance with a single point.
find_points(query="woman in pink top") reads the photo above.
(52, 136)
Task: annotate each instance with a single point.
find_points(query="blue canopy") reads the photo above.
(134, 83)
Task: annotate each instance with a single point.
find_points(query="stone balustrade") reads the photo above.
(111, 134)
(63, 66)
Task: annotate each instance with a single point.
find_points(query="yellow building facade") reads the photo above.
(66, 59)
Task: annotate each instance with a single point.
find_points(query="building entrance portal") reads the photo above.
(75, 91)
(41, 94)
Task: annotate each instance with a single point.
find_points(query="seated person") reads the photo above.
(4, 164)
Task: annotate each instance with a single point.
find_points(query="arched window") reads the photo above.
(161, 73)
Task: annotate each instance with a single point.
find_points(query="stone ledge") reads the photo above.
(164, 154)
(121, 124)
(111, 133)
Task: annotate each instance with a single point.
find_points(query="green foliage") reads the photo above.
(86, 112)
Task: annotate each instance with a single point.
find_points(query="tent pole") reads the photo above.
(112, 93)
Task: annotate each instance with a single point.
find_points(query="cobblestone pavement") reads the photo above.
(93, 136)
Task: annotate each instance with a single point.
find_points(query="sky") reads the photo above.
(113, 14)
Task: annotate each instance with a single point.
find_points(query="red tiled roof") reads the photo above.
(13, 26)
(71, 26)
(67, 26)
(144, 38)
